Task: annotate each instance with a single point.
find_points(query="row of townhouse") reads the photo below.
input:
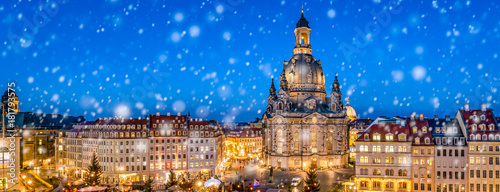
(431, 154)
(133, 150)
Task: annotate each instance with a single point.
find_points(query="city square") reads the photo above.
(250, 96)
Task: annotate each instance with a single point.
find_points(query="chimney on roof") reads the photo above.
(421, 116)
(483, 107)
(178, 113)
(447, 117)
(403, 122)
(412, 117)
(436, 117)
(157, 113)
(168, 113)
(466, 107)
(130, 118)
(140, 118)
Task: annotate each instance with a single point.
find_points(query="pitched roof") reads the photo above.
(420, 125)
(383, 129)
(473, 118)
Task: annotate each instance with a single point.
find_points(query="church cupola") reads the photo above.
(302, 36)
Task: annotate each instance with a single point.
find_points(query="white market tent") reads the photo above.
(90, 189)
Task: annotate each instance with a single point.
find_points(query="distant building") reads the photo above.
(450, 155)
(205, 147)
(168, 145)
(422, 153)
(356, 127)
(483, 139)
(130, 151)
(120, 145)
(244, 143)
(383, 160)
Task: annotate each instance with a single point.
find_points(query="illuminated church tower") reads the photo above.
(304, 126)
(13, 99)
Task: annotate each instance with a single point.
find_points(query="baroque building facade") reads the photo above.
(302, 125)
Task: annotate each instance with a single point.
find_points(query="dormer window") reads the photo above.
(367, 137)
(417, 140)
(491, 127)
(474, 118)
(484, 138)
(427, 140)
(389, 137)
(438, 141)
(482, 127)
(424, 130)
(376, 137)
(474, 127)
(414, 129)
(402, 137)
(472, 137)
(438, 130)
(483, 117)
(455, 130)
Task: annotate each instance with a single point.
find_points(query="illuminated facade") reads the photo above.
(383, 160)
(120, 145)
(450, 155)
(244, 143)
(483, 139)
(168, 145)
(356, 127)
(205, 147)
(422, 153)
(302, 126)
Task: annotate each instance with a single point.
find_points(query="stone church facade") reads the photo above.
(302, 125)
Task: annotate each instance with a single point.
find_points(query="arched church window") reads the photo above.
(304, 39)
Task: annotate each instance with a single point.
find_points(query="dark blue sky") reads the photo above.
(216, 58)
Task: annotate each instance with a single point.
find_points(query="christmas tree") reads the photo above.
(93, 176)
(172, 179)
(311, 183)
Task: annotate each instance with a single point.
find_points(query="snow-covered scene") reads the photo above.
(250, 96)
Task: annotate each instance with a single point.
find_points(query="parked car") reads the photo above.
(296, 181)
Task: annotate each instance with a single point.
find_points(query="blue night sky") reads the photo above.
(216, 58)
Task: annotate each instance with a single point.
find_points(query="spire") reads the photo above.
(347, 100)
(284, 82)
(272, 90)
(302, 21)
(336, 85)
